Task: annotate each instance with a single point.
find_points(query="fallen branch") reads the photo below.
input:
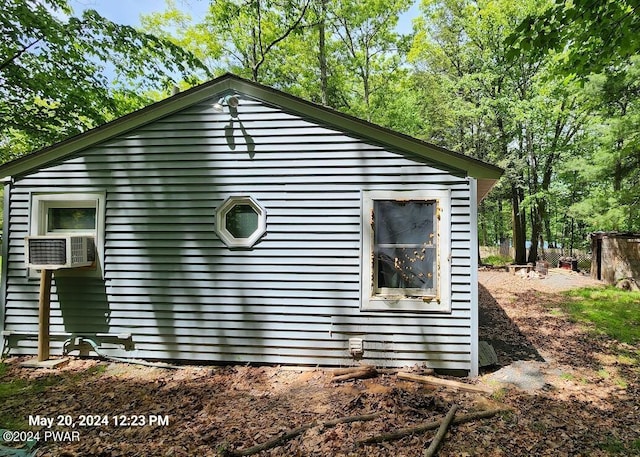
(444, 382)
(401, 433)
(442, 431)
(347, 370)
(290, 434)
(398, 370)
(365, 372)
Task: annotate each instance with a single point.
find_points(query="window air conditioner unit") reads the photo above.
(53, 252)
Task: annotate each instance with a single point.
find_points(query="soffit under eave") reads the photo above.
(484, 187)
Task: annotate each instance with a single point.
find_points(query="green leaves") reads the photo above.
(251, 32)
(53, 65)
(593, 34)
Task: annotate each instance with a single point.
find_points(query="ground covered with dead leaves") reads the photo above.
(578, 396)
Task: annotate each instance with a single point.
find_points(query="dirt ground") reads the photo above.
(563, 392)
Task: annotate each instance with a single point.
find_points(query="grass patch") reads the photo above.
(24, 387)
(567, 377)
(616, 446)
(96, 370)
(16, 390)
(11, 388)
(612, 312)
(556, 312)
(497, 260)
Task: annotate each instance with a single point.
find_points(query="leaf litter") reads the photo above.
(588, 403)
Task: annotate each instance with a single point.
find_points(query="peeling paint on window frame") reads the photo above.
(441, 300)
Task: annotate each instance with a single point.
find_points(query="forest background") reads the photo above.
(547, 90)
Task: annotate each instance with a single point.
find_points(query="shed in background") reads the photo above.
(616, 256)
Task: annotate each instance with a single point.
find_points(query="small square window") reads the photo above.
(78, 214)
(71, 219)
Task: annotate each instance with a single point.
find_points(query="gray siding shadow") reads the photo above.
(83, 303)
(174, 289)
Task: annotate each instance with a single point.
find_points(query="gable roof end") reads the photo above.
(486, 174)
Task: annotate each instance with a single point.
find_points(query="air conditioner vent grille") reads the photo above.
(82, 251)
(47, 252)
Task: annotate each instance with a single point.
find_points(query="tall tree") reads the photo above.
(510, 111)
(599, 42)
(52, 71)
(250, 31)
(371, 49)
(340, 53)
(590, 35)
(558, 113)
(610, 169)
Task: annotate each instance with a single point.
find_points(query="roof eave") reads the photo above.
(395, 140)
(114, 128)
(451, 160)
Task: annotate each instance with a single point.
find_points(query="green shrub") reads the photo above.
(497, 260)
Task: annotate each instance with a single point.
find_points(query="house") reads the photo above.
(235, 223)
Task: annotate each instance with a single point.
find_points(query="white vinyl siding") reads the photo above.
(294, 297)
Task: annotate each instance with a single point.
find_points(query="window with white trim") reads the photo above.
(406, 245)
(79, 214)
(240, 222)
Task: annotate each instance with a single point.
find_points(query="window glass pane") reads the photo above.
(405, 244)
(404, 222)
(71, 219)
(241, 221)
(406, 268)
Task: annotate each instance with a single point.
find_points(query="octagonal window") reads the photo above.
(240, 222)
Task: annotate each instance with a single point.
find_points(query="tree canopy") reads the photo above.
(54, 66)
(589, 35)
(548, 90)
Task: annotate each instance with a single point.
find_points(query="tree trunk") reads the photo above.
(519, 225)
(536, 232)
(367, 93)
(483, 210)
(322, 53)
(617, 176)
(500, 223)
(551, 242)
(254, 56)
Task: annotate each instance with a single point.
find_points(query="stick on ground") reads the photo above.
(290, 434)
(365, 372)
(442, 431)
(444, 382)
(347, 370)
(401, 433)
